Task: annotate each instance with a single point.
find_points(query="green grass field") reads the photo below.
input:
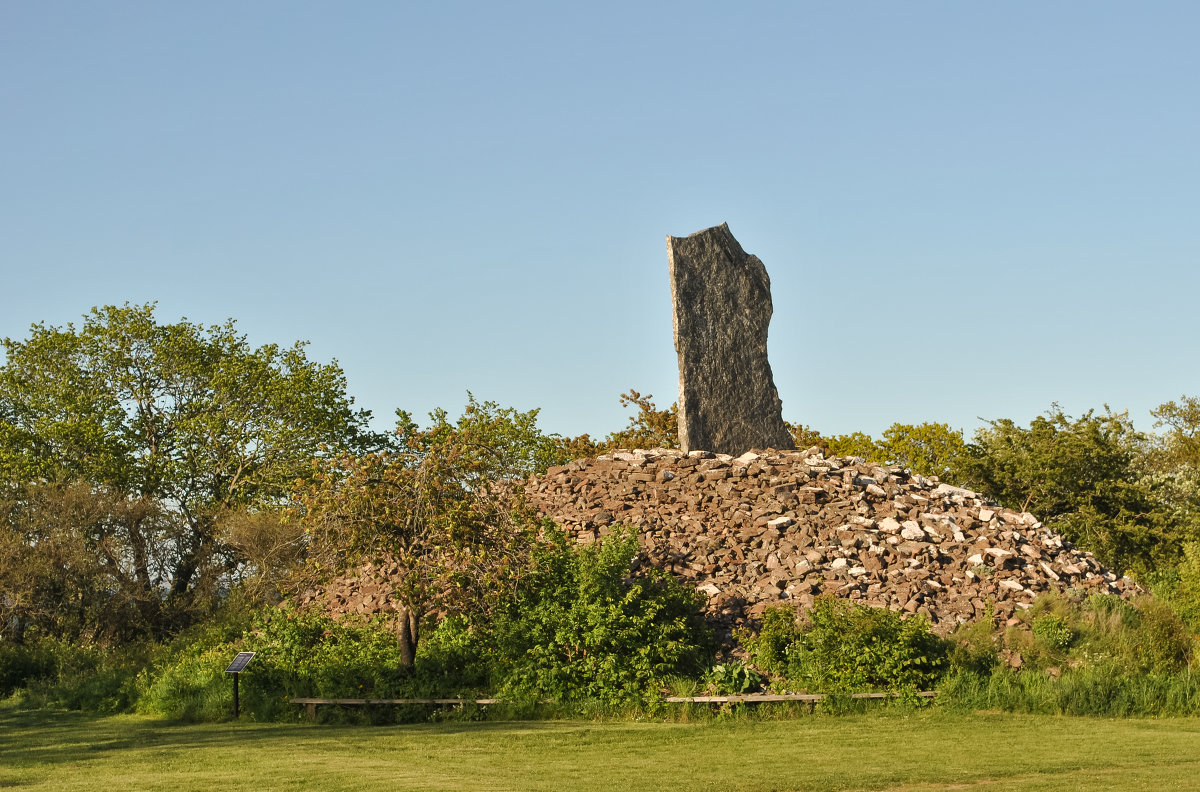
(928, 750)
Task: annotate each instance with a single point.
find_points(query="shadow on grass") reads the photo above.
(44, 737)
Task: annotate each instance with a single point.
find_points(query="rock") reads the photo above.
(746, 545)
(721, 296)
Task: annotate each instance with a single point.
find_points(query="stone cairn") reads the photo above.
(780, 528)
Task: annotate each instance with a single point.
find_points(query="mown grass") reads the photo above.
(924, 750)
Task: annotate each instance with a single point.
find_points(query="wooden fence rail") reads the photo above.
(752, 698)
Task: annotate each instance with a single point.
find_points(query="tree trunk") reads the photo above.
(408, 624)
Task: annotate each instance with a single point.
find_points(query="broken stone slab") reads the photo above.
(721, 297)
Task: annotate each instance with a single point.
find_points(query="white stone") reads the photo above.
(839, 563)
(779, 522)
(888, 525)
(955, 492)
(985, 515)
(912, 531)
(1046, 567)
(709, 589)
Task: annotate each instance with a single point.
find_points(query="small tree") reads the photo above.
(440, 506)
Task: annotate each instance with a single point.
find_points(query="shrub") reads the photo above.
(843, 646)
(56, 673)
(584, 625)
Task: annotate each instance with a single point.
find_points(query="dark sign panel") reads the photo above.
(240, 662)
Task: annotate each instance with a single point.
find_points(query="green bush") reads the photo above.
(56, 673)
(584, 625)
(298, 653)
(1052, 632)
(843, 647)
(733, 679)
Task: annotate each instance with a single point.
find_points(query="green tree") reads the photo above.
(70, 559)
(1179, 445)
(857, 444)
(440, 505)
(188, 416)
(1078, 475)
(649, 427)
(933, 449)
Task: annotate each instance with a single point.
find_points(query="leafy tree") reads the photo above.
(73, 561)
(805, 437)
(189, 417)
(1179, 445)
(854, 444)
(933, 449)
(1080, 476)
(438, 505)
(649, 427)
(930, 448)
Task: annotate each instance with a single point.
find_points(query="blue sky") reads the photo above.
(966, 209)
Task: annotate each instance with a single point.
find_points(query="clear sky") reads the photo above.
(966, 209)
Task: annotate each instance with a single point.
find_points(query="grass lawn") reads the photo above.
(928, 750)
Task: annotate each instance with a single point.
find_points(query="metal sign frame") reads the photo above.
(237, 667)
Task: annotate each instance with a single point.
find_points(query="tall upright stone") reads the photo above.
(722, 303)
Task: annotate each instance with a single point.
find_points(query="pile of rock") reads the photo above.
(369, 590)
(769, 528)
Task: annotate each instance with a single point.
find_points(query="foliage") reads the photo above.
(805, 437)
(844, 646)
(1179, 446)
(584, 625)
(733, 678)
(933, 449)
(856, 444)
(297, 654)
(1094, 690)
(438, 506)
(189, 418)
(50, 672)
(1145, 636)
(649, 427)
(66, 553)
(578, 626)
(1183, 591)
(1079, 476)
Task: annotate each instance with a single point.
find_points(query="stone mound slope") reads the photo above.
(770, 528)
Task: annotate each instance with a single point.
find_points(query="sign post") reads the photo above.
(236, 667)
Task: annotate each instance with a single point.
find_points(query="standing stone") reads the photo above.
(722, 303)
